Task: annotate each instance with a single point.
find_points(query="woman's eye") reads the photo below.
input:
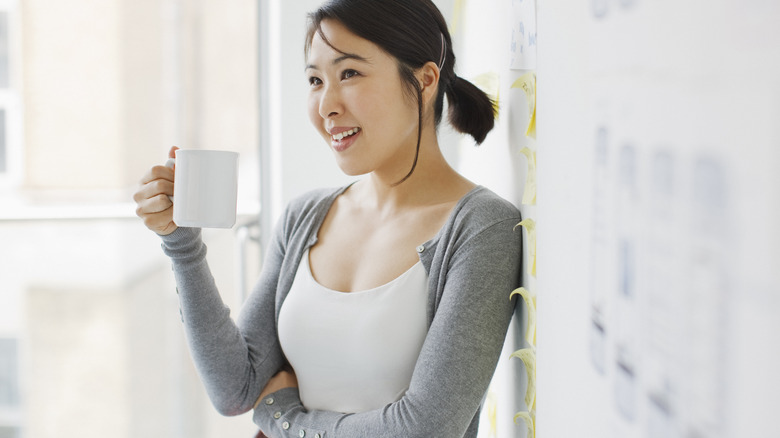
(348, 74)
(314, 81)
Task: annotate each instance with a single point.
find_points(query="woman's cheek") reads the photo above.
(314, 114)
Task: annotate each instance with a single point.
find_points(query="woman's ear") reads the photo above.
(428, 75)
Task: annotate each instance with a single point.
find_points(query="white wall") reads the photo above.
(656, 134)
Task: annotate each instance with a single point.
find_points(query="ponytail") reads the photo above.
(471, 111)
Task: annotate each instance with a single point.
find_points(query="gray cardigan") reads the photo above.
(473, 264)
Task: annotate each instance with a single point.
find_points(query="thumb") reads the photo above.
(172, 152)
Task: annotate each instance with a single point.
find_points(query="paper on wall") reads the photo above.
(529, 193)
(529, 423)
(528, 357)
(490, 84)
(530, 227)
(522, 49)
(527, 83)
(457, 10)
(530, 304)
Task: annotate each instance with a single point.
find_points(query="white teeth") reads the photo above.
(344, 134)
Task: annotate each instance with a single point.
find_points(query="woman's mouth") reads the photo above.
(344, 139)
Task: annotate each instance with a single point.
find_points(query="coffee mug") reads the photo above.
(205, 188)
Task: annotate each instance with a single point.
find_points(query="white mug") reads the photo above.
(205, 188)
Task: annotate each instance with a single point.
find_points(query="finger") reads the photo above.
(153, 205)
(153, 188)
(158, 172)
(172, 152)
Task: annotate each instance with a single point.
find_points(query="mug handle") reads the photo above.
(170, 164)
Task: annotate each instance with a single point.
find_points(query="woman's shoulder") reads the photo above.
(480, 210)
(483, 205)
(315, 197)
(312, 204)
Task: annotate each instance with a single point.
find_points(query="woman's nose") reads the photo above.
(330, 103)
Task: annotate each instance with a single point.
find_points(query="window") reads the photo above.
(3, 148)
(3, 85)
(105, 90)
(4, 49)
(9, 98)
(9, 388)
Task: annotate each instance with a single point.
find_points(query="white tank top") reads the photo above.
(354, 351)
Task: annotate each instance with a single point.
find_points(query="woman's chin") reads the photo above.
(352, 172)
(351, 169)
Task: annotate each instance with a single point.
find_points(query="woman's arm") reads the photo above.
(455, 365)
(233, 370)
(233, 360)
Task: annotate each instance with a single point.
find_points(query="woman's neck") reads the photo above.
(433, 181)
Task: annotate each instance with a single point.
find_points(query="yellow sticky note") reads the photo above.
(527, 83)
(490, 84)
(529, 423)
(492, 410)
(529, 195)
(530, 228)
(528, 357)
(531, 131)
(456, 13)
(530, 304)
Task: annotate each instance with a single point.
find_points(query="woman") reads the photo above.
(386, 299)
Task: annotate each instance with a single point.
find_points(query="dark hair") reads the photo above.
(414, 32)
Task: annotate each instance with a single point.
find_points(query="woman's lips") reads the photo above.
(344, 138)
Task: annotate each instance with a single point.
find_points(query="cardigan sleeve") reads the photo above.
(457, 360)
(234, 360)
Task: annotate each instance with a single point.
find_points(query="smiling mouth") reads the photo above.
(345, 134)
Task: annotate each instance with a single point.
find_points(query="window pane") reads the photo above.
(9, 432)
(3, 149)
(4, 50)
(9, 378)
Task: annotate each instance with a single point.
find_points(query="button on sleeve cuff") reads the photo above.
(275, 415)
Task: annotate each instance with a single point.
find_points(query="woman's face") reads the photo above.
(359, 104)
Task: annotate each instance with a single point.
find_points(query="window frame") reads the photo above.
(11, 416)
(10, 100)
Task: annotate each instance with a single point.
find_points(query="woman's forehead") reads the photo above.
(339, 41)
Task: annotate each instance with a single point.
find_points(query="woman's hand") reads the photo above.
(283, 379)
(152, 198)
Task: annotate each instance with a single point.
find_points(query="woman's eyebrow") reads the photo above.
(346, 56)
(341, 58)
